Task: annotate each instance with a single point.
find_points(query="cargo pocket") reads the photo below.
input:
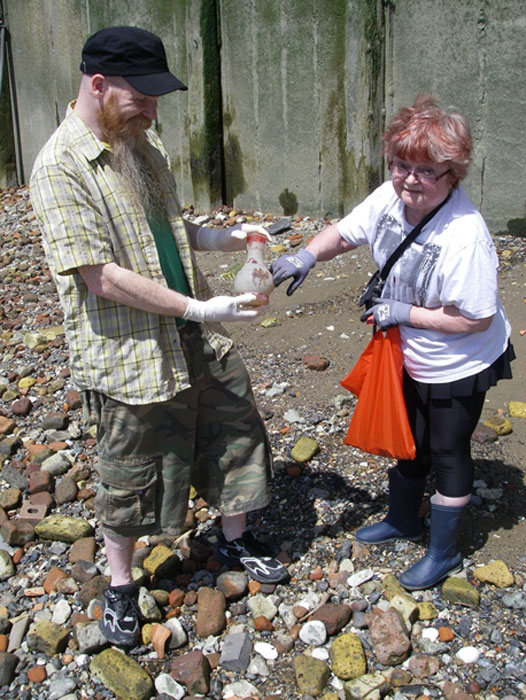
(129, 494)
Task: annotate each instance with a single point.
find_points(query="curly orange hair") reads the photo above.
(427, 133)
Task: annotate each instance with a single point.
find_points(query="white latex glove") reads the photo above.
(222, 309)
(228, 239)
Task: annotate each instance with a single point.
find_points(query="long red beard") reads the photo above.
(128, 156)
(115, 128)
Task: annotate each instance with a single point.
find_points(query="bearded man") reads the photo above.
(158, 375)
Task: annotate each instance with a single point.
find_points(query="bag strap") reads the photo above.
(386, 269)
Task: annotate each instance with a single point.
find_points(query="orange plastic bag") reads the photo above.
(380, 424)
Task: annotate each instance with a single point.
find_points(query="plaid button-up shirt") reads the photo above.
(87, 218)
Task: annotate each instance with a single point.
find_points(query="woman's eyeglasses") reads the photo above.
(401, 170)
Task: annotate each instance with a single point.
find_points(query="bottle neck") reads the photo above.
(256, 239)
(256, 245)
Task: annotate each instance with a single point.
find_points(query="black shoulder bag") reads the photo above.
(376, 283)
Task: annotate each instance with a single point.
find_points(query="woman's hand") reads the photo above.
(296, 266)
(388, 313)
(444, 319)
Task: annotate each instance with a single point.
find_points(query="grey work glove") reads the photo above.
(223, 308)
(297, 266)
(388, 313)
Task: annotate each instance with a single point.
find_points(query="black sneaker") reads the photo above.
(253, 556)
(120, 615)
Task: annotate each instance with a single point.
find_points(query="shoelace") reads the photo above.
(123, 603)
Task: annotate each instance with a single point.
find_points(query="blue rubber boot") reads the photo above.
(443, 556)
(402, 521)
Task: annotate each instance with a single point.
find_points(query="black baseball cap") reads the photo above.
(135, 54)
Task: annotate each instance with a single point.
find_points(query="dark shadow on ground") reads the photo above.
(325, 503)
(483, 523)
(316, 503)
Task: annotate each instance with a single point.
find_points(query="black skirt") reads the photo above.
(481, 382)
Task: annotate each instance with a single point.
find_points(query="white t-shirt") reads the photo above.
(452, 262)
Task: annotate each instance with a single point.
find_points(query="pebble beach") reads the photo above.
(341, 628)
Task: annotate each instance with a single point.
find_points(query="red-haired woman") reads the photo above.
(443, 293)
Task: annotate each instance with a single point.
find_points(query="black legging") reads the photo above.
(442, 430)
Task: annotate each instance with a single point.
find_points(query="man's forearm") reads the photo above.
(131, 289)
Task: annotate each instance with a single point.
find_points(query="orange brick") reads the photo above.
(254, 587)
(53, 576)
(173, 612)
(176, 597)
(445, 634)
(316, 575)
(37, 674)
(263, 623)
(97, 612)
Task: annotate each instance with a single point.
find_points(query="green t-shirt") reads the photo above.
(169, 256)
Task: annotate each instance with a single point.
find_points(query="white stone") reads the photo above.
(266, 650)
(320, 653)
(60, 687)
(277, 389)
(208, 646)
(148, 606)
(360, 577)
(347, 565)
(61, 613)
(57, 464)
(430, 633)
(7, 568)
(240, 689)
(469, 655)
(164, 683)
(313, 633)
(179, 636)
(258, 667)
(286, 614)
(292, 416)
(310, 601)
(261, 605)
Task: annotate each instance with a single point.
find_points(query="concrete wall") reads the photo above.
(472, 54)
(297, 104)
(47, 37)
(7, 148)
(287, 98)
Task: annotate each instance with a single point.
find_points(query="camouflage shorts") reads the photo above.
(210, 436)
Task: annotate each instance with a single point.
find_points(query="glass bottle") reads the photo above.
(255, 276)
